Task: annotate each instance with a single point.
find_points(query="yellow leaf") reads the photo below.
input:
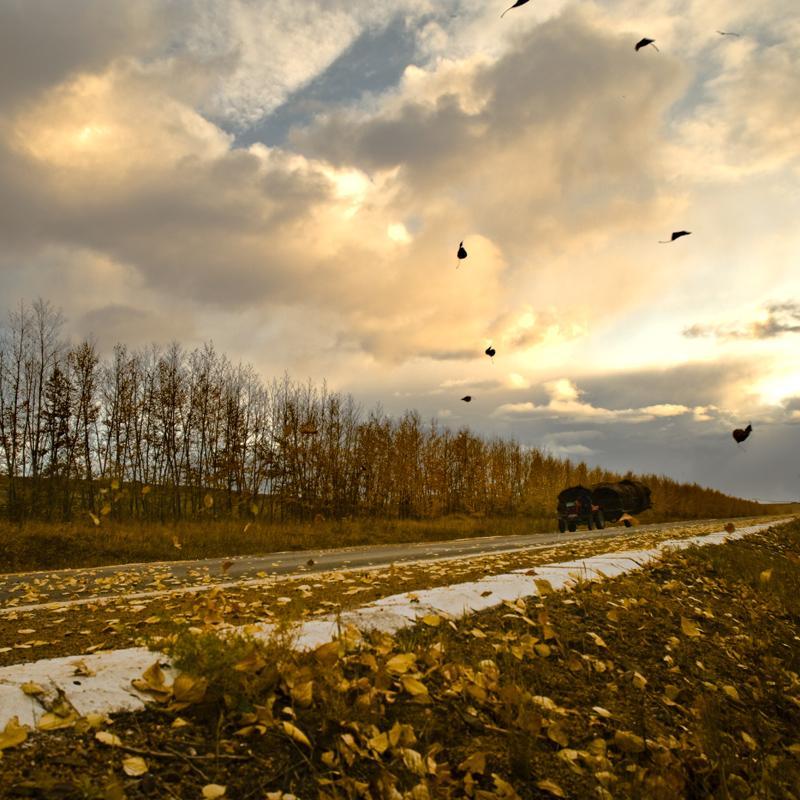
(251, 663)
(32, 689)
(476, 764)
(176, 543)
(433, 620)
(295, 733)
(53, 722)
(596, 639)
(13, 734)
(303, 693)
(689, 628)
(731, 692)
(95, 518)
(542, 649)
(413, 686)
(211, 791)
(115, 484)
(749, 740)
(146, 490)
(639, 680)
(605, 713)
(111, 739)
(504, 789)
(628, 742)
(188, 689)
(134, 766)
(179, 722)
(253, 509)
(552, 787)
(543, 586)
(765, 576)
(401, 663)
(208, 502)
(106, 509)
(556, 733)
(379, 743)
(794, 748)
(613, 615)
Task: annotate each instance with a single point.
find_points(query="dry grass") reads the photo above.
(38, 545)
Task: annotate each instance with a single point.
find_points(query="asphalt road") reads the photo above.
(33, 588)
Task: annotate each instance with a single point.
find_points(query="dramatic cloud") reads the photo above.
(292, 181)
(566, 403)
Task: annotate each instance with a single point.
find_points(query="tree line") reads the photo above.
(168, 434)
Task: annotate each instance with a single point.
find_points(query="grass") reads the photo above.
(677, 681)
(35, 545)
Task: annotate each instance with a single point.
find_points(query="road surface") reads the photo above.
(34, 588)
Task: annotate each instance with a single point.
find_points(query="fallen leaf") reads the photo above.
(295, 733)
(134, 766)
(552, 787)
(628, 742)
(111, 739)
(732, 692)
(401, 663)
(689, 628)
(432, 619)
(13, 734)
(32, 689)
(213, 790)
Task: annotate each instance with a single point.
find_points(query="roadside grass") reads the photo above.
(35, 545)
(680, 680)
(38, 545)
(120, 621)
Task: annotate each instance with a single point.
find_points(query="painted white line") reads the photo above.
(109, 688)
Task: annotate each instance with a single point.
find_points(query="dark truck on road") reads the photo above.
(603, 502)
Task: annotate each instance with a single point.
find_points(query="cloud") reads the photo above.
(565, 402)
(779, 318)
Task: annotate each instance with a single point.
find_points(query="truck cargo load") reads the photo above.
(621, 498)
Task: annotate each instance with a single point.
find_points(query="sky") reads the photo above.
(292, 180)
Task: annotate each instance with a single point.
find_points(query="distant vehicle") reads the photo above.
(576, 507)
(603, 502)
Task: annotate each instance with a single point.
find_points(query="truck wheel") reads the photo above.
(562, 525)
(627, 523)
(572, 526)
(599, 520)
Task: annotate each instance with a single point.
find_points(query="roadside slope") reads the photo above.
(677, 680)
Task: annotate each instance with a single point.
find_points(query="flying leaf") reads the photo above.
(208, 502)
(95, 518)
(134, 766)
(765, 576)
(433, 620)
